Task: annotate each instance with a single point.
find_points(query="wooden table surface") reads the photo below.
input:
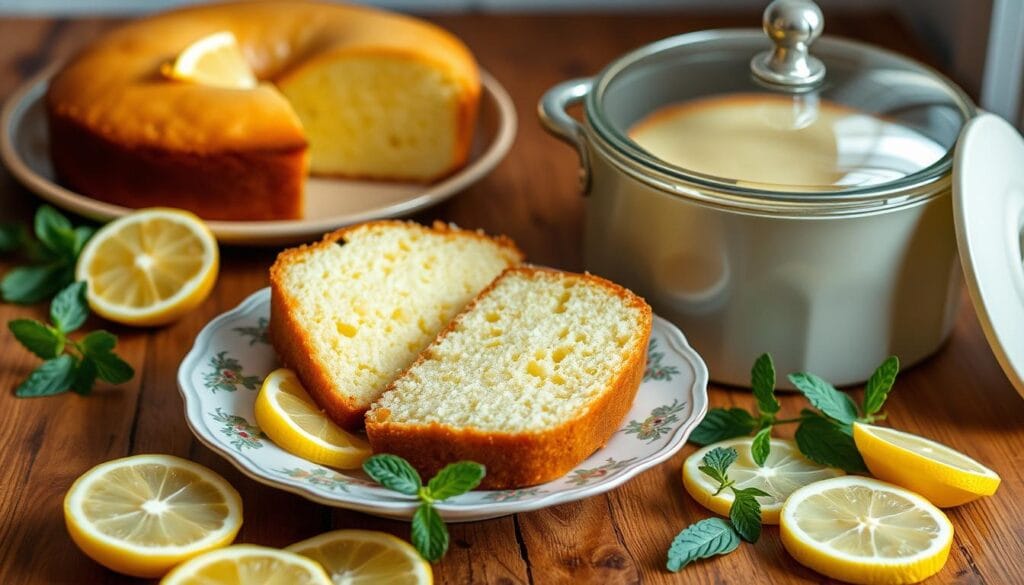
(959, 397)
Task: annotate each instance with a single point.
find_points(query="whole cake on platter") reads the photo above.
(340, 90)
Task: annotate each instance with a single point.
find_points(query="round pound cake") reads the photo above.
(343, 91)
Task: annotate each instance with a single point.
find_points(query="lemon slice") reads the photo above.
(142, 515)
(942, 475)
(783, 472)
(366, 556)
(149, 267)
(862, 530)
(291, 419)
(215, 60)
(245, 564)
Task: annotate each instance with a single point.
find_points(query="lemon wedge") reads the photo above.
(366, 556)
(245, 564)
(783, 472)
(286, 414)
(944, 476)
(143, 515)
(862, 530)
(215, 60)
(149, 267)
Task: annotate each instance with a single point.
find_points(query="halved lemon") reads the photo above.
(246, 564)
(366, 556)
(144, 514)
(783, 472)
(149, 267)
(215, 60)
(944, 476)
(862, 530)
(286, 414)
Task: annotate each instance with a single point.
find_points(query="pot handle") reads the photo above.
(558, 122)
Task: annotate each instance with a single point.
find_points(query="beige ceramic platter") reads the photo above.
(330, 203)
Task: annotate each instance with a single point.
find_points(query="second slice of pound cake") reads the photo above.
(351, 312)
(533, 377)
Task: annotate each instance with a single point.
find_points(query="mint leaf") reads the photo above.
(721, 424)
(69, 309)
(716, 463)
(825, 397)
(111, 368)
(55, 231)
(12, 237)
(879, 385)
(97, 342)
(30, 284)
(52, 377)
(826, 442)
(84, 377)
(394, 473)
(37, 337)
(429, 534)
(702, 540)
(745, 513)
(761, 446)
(83, 234)
(455, 479)
(762, 380)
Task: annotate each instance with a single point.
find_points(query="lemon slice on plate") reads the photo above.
(142, 515)
(785, 471)
(943, 475)
(149, 267)
(862, 530)
(215, 60)
(366, 556)
(245, 564)
(286, 414)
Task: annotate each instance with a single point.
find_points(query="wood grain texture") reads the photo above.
(959, 397)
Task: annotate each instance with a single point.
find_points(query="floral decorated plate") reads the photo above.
(220, 376)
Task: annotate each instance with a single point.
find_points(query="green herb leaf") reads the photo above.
(879, 385)
(30, 284)
(762, 380)
(394, 473)
(455, 479)
(54, 231)
(429, 534)
(702, 540)
(721, 424)
(85, 377)
(83, 234)
(111, 368)
(825, 442)
(97, 342)
(37, 337)
(52, 377)
(716, 463)
(825, 397)
(745, 513)
(12, 237)
(761, 446)
(69, 309)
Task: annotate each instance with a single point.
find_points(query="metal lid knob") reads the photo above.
(792, 25)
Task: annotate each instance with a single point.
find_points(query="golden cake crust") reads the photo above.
(112, 93)
(515, 460)
(291, 340)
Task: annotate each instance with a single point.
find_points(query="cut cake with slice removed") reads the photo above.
(351, 312)
(529, 380)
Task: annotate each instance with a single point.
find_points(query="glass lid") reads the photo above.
(732, 110)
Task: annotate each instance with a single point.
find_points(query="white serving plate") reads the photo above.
(221, 375)
(330, 202)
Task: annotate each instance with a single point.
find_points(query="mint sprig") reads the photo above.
(52, 255)
(69, 364)
(428, 533)
(824, 434)
(714, 536)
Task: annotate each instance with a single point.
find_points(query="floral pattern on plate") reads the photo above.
(231, 354)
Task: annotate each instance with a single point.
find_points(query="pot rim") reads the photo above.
(913, 188)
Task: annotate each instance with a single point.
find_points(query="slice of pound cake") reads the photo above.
(352, 311)
(534, 376)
